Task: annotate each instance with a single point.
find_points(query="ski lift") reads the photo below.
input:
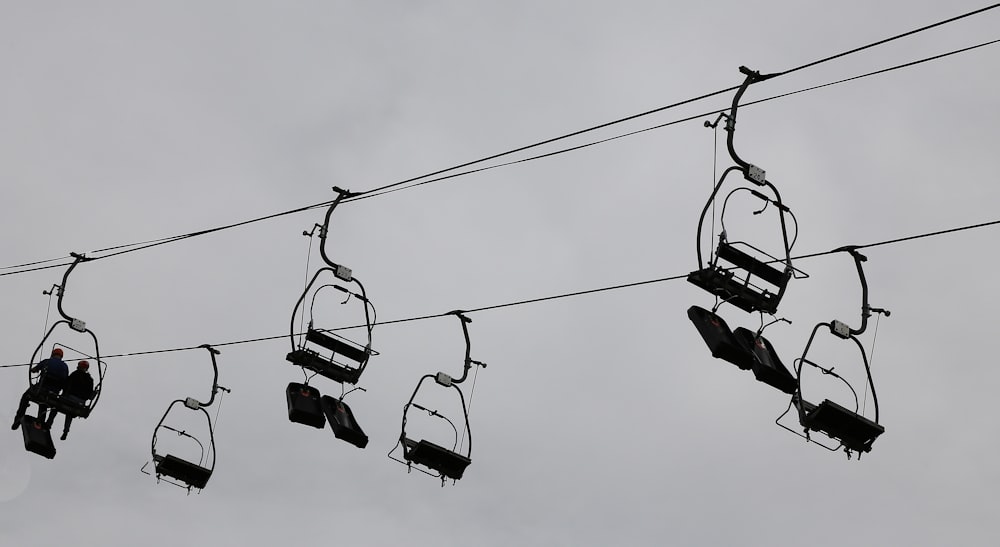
(36, 433)
(744, 348)
(347, 359)
(852, 430)
(177, 470)
(740, 273)
(448, 463)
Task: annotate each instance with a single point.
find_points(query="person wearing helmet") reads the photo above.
(52, 376)
(79, 389)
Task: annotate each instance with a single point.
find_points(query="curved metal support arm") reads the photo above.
(324, 230)
(704, 211)
(782, 209)
(295, 310)
(215, 375)
(468, 346)
(62, 287)
(752, 76)
(866, 310)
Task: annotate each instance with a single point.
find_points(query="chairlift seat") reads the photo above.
(345, 426)
(854, 431)
(37, 437)
(720, 339)
(722, 281)
(188, 473)
(327, 368)
(728, 252)
(67, 404)
(304, 405)
(337, 345)
(767, 367)
(449, 464)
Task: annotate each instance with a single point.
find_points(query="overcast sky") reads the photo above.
(601, 419)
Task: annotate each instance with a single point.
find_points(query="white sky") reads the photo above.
(601, 419)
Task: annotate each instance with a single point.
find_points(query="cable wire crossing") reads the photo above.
(544, 298)
(447, 173)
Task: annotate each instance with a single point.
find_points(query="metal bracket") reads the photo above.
(78, 325)
(443, 379)
(755, 174)
(343, 272)
(192, 403)
(841, 329)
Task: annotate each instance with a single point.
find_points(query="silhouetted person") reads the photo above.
(53, 376)
(79, 389)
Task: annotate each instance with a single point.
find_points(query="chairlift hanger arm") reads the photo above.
(324, 230)
(866, 309)
(78, 258)
(468, 347)
(215, 376)
(752, 76)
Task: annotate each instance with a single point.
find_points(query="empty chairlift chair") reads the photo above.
(443, 462)
(185, 471)
(740, 273)
(850, 428)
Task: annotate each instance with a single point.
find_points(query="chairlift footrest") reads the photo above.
(304, 406)
(719, 338)
(37, 437)
(767, 366)
(341, 418)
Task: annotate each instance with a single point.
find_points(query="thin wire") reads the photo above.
(887, 40)
(871, 361)
(305, 285)
(541, 299)
(48, 310)
(132, 247)
(472, 393)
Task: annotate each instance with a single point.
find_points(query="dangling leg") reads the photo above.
(21, 409)
(42, 411)
(66, 424)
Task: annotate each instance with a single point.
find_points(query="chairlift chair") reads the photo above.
(447, 463)
(186, 472)
(851, 429)
(55, 401)
(740, 273)
(347, 359)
